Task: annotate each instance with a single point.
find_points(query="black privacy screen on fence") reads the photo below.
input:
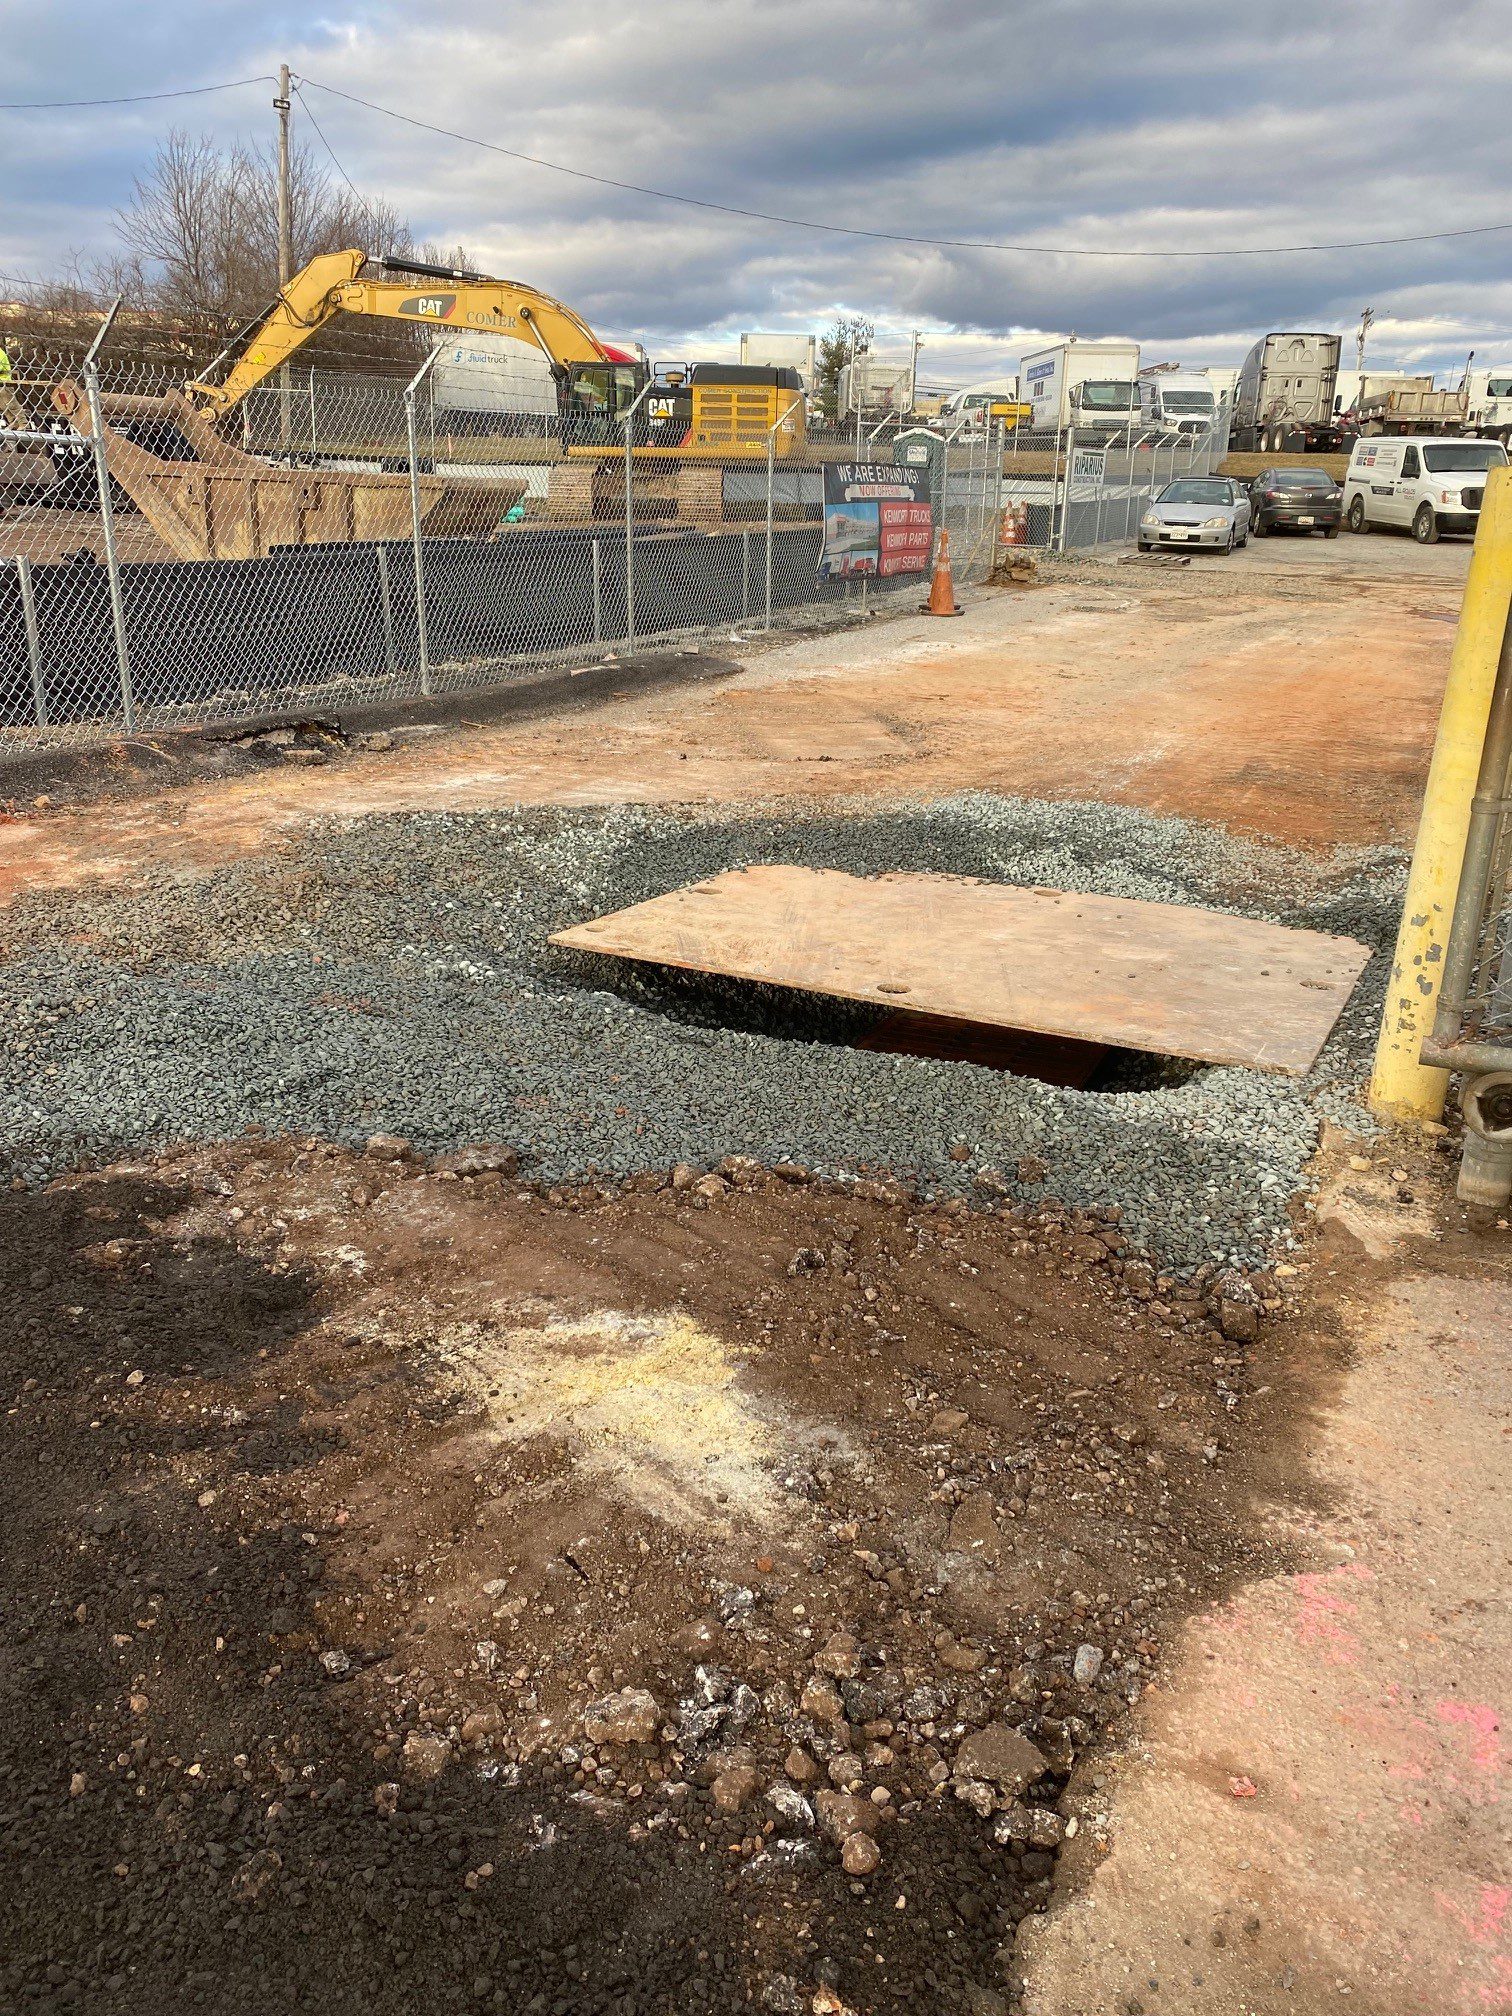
(210, 636)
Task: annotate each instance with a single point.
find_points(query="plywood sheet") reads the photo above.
(1144, 976)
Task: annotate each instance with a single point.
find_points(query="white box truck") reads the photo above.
(784, 352)
(1091, 386)
(1178, 402)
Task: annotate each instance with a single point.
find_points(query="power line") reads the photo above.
(138, 98)
(902, 237)
(320, 133)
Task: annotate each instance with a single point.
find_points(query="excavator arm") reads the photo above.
(336, 283)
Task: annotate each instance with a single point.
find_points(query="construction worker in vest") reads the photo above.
(12, 412)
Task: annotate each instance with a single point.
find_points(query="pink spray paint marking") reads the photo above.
(1321, 1613)
(1484, 1722)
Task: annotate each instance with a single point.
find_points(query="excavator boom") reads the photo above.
(337, 283)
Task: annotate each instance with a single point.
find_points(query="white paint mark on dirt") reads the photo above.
(653, 1405)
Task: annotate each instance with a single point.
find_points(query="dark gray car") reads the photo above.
(1296, 500)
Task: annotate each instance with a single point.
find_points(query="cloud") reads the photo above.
(1088, 123)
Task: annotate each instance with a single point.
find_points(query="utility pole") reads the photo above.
(1365, 321)
(913, 371)
(281, 106)
(285, 230)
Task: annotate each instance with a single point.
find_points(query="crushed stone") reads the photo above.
(393, 975)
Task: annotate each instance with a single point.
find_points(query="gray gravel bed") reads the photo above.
(392, 975)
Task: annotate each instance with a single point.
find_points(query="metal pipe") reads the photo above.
(745, 572)
(771, 478)
(107, 530)
(33, 638)
(101, 333)
(1475, 1058)
(422, 627)
(598, 592)
(1066, 487)
(772, 433)
(630, 521)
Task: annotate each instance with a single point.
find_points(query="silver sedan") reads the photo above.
(1197, 511)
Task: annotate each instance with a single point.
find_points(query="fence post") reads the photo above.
(107, 532)
(771, 475)
(598, 592)
(1402, 1087)
(422, 627)
(33, 639)
(314, 431)
(1066, 488)
(386, 601)
(745, 572)
(629, 544)
(630, 518)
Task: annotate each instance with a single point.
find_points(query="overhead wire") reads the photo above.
(134, 98)
(900, 237)
(750, 213)
(309, 112)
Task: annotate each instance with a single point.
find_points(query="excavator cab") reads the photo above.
(595, 399)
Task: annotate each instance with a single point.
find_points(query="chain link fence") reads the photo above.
(337, 538)
(1488, 1001)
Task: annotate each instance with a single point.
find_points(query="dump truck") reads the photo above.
(1284, 396)
(1414, 409)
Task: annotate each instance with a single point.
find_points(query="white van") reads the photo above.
(1425, 483)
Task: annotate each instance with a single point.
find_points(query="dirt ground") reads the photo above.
(1289, 691)
(730, 1591)
(346, 1487)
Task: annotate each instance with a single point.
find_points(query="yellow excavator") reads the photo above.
(707, 410)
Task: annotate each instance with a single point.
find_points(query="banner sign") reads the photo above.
(1086, 473)
(878, 520)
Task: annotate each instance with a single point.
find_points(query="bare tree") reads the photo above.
(837, 349)
(200, 236)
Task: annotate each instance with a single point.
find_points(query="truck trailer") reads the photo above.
(1091, 386)
(782, 351)
(1284, 397)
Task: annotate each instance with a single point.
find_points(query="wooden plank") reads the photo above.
(1145, 976)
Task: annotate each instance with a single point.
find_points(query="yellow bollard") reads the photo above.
(1401, 1088)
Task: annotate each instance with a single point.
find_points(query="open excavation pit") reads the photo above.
(395, 976)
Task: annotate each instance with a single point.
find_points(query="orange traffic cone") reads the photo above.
(942, 601)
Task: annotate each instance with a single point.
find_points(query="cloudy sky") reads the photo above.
(1170, 125)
